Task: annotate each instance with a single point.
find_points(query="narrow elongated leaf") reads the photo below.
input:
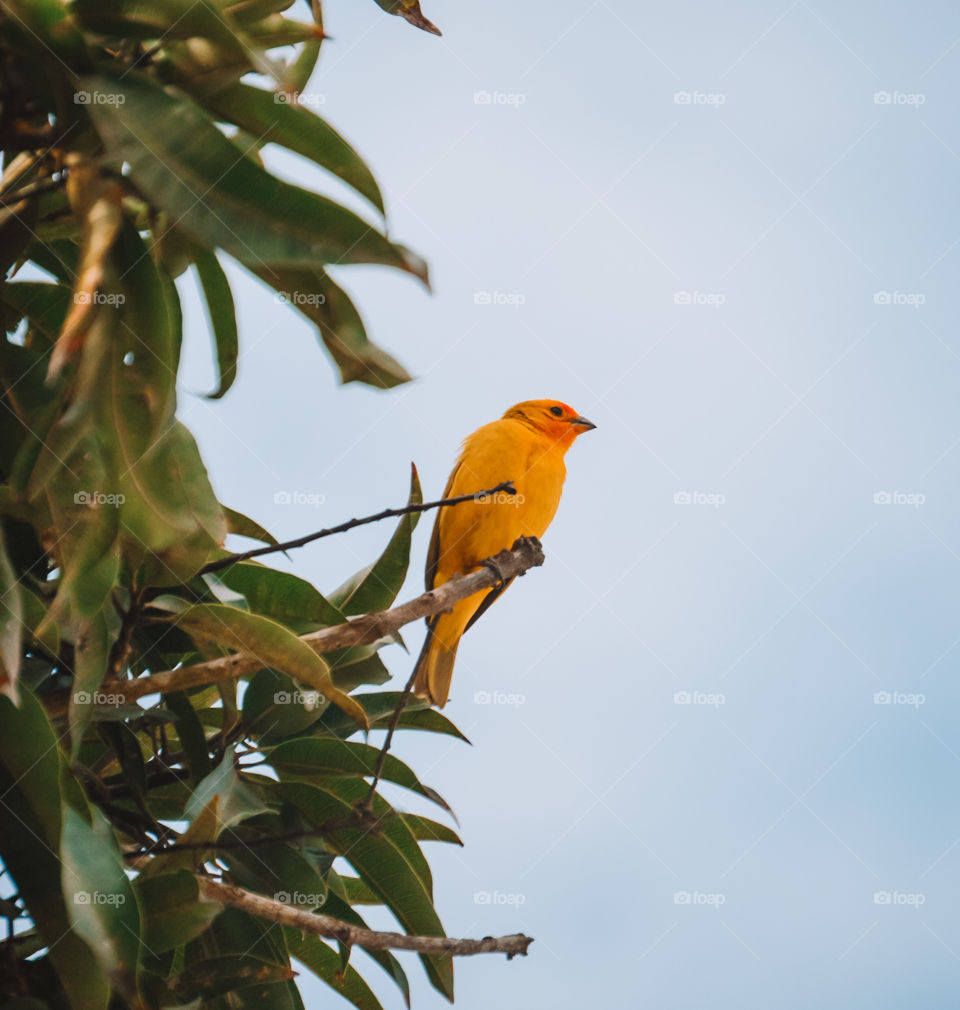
(32, 787)
(11, 624)
(426, 830)
(223, 318)
(272, 644)
(100, 900)
(324, 962)
(227, 974)
(244, 526)
(237, 800)
(172, 522)
(187, 167)
(171, 910)
(390, 862)
(375, 587)
(309, 759)
(410, 11)
(379, 706)
(44, 305)
(340, 909)
(174, 19)
(273, 118)
(312, 292)
(284, 597)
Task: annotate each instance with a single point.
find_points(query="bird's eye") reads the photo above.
(557, 411)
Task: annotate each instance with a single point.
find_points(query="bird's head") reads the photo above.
(557, 420)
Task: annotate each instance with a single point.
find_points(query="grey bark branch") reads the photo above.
(525, 554)
(334, 929)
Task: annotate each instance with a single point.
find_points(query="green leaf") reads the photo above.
(272, 118)
(281, 596)
(237, 800)
(274, 707)
(44, 305)
(307, 760)
(426, 830)
(390, 862)
(339, 909)
(187, 167)
(171, 910)
(156, 19)
(375, 587)
(274, 869)
(379, 706)
(244, 526)
(94, 638)
(223, 318)
(100, 900)
(324, 962)
(31, 800)
(219, 976)
(171, 519)
(316, 296)
(11, 624)
(270, 642)
(410, 11)
(191, 734)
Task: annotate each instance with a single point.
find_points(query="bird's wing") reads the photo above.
(486, 602)
(433, 551)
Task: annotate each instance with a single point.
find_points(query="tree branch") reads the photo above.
(215, 566)
(324, 925)
(526, 553)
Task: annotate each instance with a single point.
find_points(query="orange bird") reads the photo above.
(526, 446)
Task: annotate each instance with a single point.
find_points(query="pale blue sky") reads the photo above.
(781, 210)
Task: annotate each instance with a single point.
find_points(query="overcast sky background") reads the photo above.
(753, 295)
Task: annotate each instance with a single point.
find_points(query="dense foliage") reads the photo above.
(131, 133)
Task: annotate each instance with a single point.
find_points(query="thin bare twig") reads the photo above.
(367, 804)
(334, 929)
(526, 553)
(506, 487)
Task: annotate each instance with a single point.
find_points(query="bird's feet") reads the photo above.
(495, 568)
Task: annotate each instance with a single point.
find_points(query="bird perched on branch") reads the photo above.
(526, 446)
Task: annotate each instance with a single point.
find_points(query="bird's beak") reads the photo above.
(582, 422)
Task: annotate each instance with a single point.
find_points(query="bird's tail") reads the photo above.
(434, 669)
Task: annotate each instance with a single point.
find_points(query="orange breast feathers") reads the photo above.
(526, 446)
